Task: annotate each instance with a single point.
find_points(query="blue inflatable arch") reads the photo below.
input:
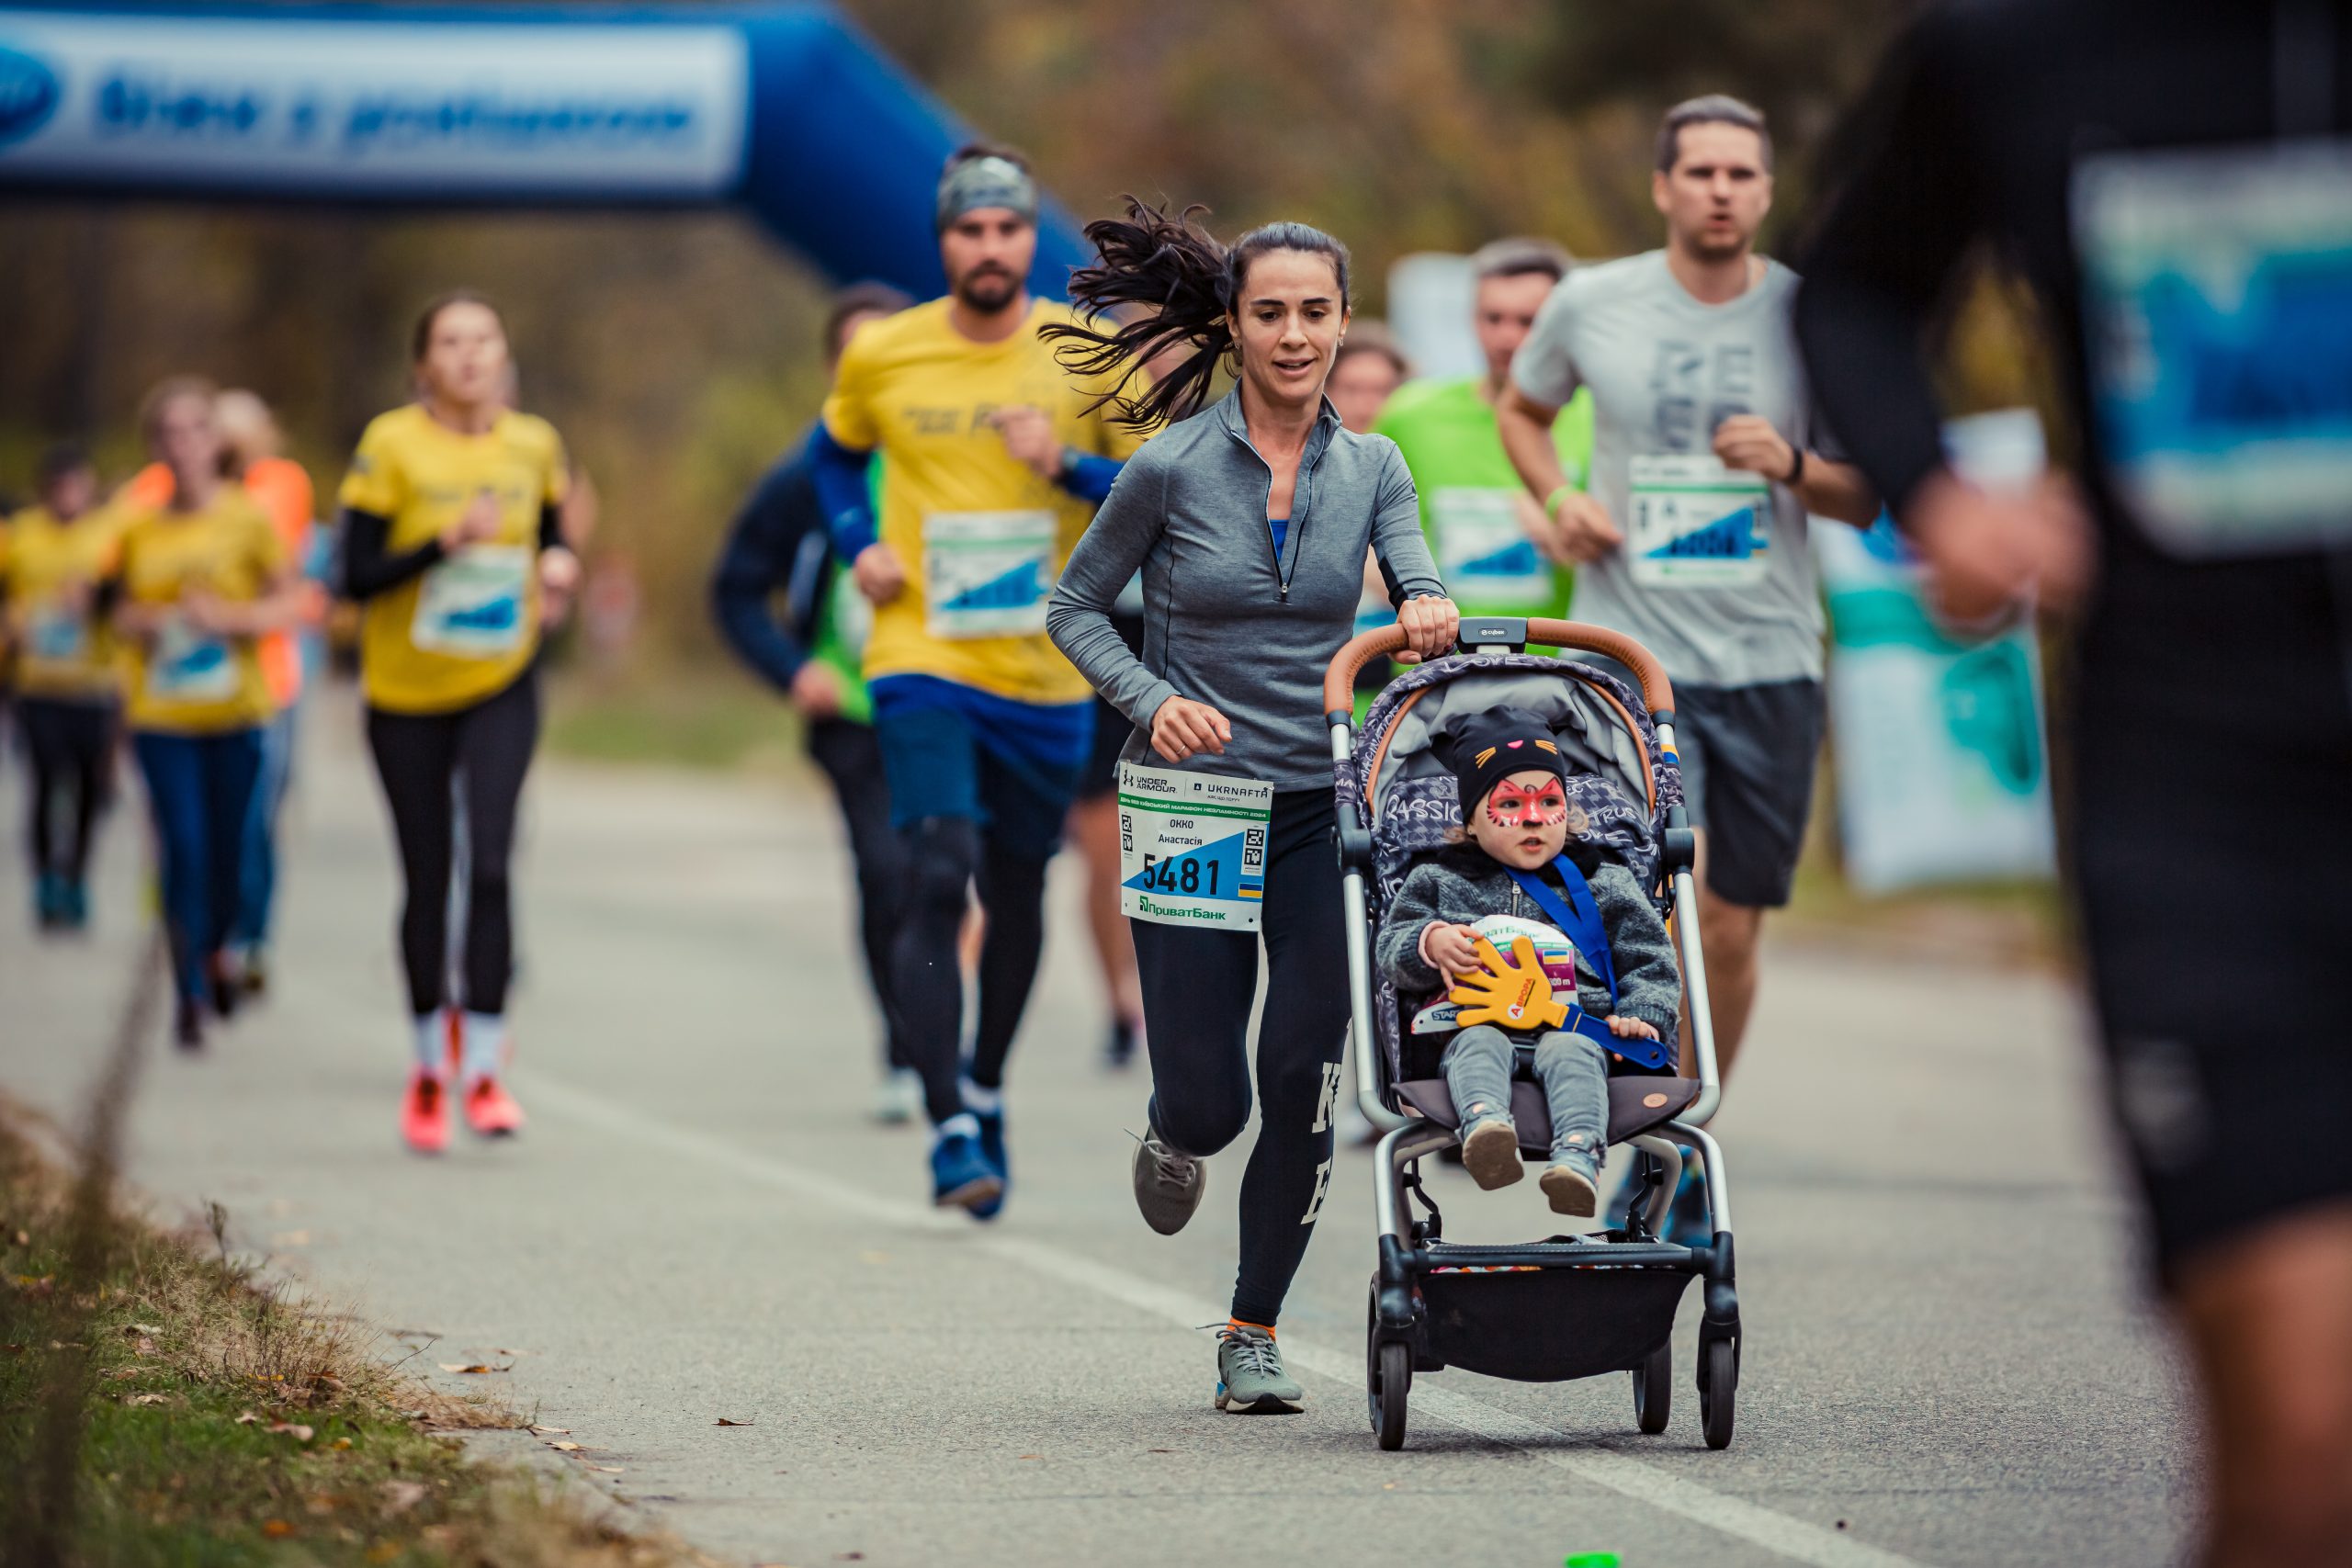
(784, 109)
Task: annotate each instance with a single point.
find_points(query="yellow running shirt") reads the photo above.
(981, 535)
(65, 652)
(186, 682)
(464, 628)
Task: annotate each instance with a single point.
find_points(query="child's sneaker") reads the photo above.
(1490, 1153)
(1570, 1183)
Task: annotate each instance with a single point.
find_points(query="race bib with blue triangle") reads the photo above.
(1193, 848)
(1483, 554)
(1695, 523)
(473, 605)
(986, 573)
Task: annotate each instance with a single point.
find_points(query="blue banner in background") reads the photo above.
(786, 110)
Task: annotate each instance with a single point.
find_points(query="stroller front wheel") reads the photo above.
(1392, 1385)
(1717, 1389)
(1654, 1388)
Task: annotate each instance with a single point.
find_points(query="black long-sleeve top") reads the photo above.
(1972, 136)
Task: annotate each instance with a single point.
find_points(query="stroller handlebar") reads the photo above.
(1658, 694)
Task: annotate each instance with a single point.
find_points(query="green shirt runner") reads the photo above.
(1470, 496)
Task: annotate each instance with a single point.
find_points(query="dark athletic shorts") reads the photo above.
(1748, 754)
(2215, 855)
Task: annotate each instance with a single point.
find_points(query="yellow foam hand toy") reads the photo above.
(1513, 993)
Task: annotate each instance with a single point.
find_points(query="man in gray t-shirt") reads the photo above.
(1706, 463)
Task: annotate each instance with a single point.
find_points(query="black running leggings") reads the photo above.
(71, 748)
(1197, 988)
(853, 761)
(483, 749)
(947, 856)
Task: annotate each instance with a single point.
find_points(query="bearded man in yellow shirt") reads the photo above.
(997, 458)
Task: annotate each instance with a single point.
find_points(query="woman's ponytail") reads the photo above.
(1162, 278)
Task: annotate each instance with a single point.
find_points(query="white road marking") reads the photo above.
(1659, 1488)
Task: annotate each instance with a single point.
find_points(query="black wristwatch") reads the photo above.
(1796, 467)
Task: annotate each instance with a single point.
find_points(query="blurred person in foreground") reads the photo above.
(810, 654)
(53, 556)
(2174, 180)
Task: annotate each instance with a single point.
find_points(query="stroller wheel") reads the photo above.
(1654, 1388)
(1717, 1389)
(1392, 1384)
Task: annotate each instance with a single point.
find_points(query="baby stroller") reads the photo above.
(1570, 1306)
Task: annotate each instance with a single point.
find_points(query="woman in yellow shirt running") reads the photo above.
(198, 582)
(452, 541)
(52, 556)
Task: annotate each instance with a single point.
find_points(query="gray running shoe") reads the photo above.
(1249, 1376)
(1168, 1185)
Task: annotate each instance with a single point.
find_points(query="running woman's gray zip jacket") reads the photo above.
(1225, 622)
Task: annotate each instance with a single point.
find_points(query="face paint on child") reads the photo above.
(1523, 821)
(1509, 805)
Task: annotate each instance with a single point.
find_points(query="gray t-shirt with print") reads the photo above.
(1714, 577)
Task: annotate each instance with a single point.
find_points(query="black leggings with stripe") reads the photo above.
(1197, 988)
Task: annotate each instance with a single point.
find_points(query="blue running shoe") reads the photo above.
(961, 1177)
(48, 901)
(992, 1151)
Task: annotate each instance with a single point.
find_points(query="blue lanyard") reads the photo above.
(1578, 919)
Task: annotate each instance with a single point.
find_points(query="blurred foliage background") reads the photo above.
(678, 354)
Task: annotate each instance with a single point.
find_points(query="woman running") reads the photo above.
(1249, 520)
(198, 581)
(52, 556)
(452, 542)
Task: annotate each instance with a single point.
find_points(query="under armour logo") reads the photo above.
(1327, 1104)
(1322, 1185)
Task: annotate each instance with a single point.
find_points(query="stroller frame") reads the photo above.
(1572, 1307)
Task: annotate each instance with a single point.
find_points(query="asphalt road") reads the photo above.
(1947, 1359)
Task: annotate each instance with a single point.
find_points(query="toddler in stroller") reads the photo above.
(1569, 918)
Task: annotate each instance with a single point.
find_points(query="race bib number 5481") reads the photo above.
(1193, 848)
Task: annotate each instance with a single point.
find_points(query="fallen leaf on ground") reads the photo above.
(293, 1429)
(725, 1421)
(1032, 1456)
(144, 1398)
(1159, 1451)
(402, 1496)
(136, 1328)
(277, 1529)
(543, 1431)
(340, 1444)
(475, 1366)
(567, 1448)
(608, 1468)
(247, 1419)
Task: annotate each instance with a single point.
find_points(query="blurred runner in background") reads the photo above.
(1493, 546)
(1707, 463)
(2175, 182)
(811, 654)
(1365, 374)
(198, 581)
(282, 490)
(452, 539)
(995, 465)
(53, 556)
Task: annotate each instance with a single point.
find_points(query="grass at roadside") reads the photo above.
(712, 719)
(205, 1417)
